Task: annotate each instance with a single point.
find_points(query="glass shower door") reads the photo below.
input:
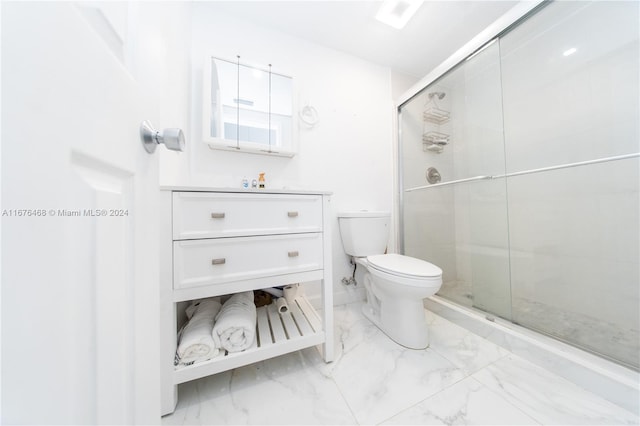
(571, 117)
(454, 215)
(520, 176)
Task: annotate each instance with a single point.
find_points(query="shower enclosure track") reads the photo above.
(527, 172)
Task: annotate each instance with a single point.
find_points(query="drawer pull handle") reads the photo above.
(217, 215)
(293, 254)
(292, 214)
(220, 261)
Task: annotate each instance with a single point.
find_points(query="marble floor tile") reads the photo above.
(467, 402)
(464, 349)
(351, 329)
(547, 397)
(282, 390)
(379, 378)
(460, 379)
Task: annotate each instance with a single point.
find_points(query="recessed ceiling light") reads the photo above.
(397, 13)
(569, 51)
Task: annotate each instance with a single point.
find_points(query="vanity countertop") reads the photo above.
(286, 190)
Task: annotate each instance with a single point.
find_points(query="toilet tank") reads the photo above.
(364, 233)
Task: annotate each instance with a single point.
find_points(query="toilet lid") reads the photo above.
(404, 265)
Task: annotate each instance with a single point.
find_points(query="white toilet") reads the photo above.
(396, 285)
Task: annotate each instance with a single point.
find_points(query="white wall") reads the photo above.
(349, 152)
(400, 83)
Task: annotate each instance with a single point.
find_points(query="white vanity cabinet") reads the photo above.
(218, 242)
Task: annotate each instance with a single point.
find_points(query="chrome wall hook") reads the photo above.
(172, 138)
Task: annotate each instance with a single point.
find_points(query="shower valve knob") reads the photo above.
(173, 138)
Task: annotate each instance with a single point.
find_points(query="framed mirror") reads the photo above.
(247, 109)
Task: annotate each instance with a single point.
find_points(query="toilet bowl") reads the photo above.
(395, 284)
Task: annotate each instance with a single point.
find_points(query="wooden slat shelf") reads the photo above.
(276, 334)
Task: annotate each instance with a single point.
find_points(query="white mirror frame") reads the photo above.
(232, 145)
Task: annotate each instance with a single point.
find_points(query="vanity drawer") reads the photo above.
(214, 261)
(212, 215)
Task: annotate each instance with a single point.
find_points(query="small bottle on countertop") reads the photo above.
(254, 184)
(261, 181)
(245, 183)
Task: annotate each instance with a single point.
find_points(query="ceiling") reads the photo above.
(437, 30)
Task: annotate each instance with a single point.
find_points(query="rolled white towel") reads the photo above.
(195, 341)
(235, 325)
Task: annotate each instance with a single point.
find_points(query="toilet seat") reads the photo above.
(404, 266)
